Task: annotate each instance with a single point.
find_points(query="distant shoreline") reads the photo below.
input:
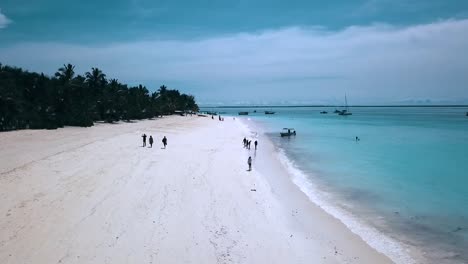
(314, 106)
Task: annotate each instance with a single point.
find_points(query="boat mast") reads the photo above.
(346, 102)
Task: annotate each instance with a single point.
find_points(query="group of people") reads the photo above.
(219, 118)
(151, 141)
(247, 146)
(248, 142)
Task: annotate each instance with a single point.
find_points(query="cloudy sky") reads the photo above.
(253, 51)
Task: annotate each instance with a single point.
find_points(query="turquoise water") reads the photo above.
(407, 176)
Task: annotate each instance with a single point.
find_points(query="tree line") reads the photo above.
(34, 100)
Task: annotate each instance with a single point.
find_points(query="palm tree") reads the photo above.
(66, 73)
(114, 83)
(162, 90)
(96, 81)
(96, 78)
(35, 100)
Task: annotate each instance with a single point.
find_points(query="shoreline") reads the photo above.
(286, 174)
(93, 195)
(396, 250)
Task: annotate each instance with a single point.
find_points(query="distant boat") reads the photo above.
(269, 113)
(243, 113)
(255, 111)
(324, 112)
(466, 113)
(337, 111)
(287, 132)
(345, 112)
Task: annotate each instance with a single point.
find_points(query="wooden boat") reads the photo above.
(243, 113)
(287, 132)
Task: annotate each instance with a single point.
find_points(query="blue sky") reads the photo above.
(377, 51)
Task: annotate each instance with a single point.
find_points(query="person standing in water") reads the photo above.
(164, 141)
(255, 143)
(151, 141)
(144, 140)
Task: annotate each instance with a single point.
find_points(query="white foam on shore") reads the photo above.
(376, 239)
(372, 236)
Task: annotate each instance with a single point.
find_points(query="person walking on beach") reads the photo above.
(144, 140)
(151, 141)
(245, 142)
(255, 143)
(164, 141)
(248, 144)
(249, 161)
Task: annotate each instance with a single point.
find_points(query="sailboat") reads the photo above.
(345, 112)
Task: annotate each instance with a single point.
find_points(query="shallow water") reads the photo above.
(407, 176)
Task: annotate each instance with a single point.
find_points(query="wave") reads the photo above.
(371, 235)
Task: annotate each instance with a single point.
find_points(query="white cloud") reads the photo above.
(4, 21)
(378, 63)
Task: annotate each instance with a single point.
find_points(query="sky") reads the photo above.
(253, 51)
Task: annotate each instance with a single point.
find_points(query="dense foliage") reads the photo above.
(33, 100)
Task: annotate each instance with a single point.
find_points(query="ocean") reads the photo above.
(407, 176)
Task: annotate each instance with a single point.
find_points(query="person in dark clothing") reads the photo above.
(248, 144)
(256, 143)
(144, 140)
(249, 161)
(245, 142)
(164, 141)
(151, 141)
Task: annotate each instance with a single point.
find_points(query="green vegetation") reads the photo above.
(33, 100)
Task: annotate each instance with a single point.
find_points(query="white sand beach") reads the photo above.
(95, 195)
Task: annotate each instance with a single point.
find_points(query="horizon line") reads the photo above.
(292, 106)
